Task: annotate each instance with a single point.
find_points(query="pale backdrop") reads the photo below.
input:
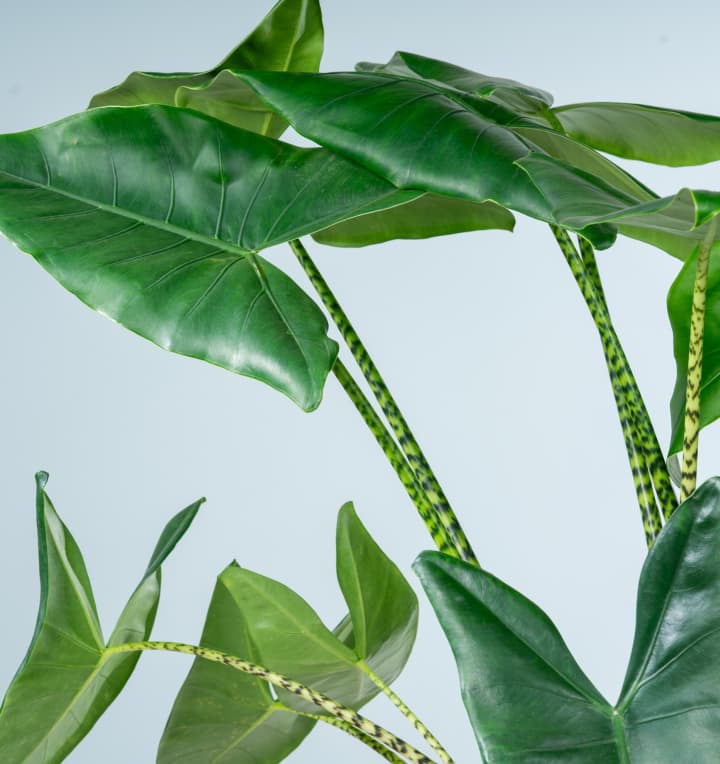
(494, 361)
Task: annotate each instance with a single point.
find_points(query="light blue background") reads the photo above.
(483, 338)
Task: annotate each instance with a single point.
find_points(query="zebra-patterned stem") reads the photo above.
(652, 522)
(691, 436)
(396, 458)
(323, 702)
(370, 742)
(409, 445)
(397, 701)
(638, 412)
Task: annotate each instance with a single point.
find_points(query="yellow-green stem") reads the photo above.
(396, 458)
(326, 704)
(691, 437)
(370, 742)
(642, 424)
(431, 740)
(652, 522)
(409, 445)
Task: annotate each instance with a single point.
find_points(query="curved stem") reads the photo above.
(396, 458)
(326, 704)
(643, 424)
(691, 437)
(370, 742)
(397, 701)
(652, 522)
(395, 418)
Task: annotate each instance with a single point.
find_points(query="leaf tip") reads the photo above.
(41, 479)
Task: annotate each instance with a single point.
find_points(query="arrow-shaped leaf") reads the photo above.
(529, 702)
(66, 681)
(152, 215)
(223, 716)
(289, 38)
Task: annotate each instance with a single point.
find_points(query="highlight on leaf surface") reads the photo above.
(66, 680)
(223, 715)
(527, 698)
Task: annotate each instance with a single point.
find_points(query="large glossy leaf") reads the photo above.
(230, 718)
(152, 216)
(651, 134)
(528, 700)
(456, 144)
(289, 38)
(423, 217)
(67, 681)
(679, 302)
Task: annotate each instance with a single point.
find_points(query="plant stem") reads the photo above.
(394, 416)
(431, 740)
(652, 522)
(691, 436)
(328, 705)
(396, 458)
(370, 742)
(641, 419)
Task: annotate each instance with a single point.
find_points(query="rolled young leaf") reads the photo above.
(648, 133)
(679, 303)
(289, 38)
(152, 215)
(66, 682)
(526, 697)
(221, 715)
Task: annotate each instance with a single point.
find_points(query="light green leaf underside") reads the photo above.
(423, 217)
(151, 216)
(648, 133)
(528, 700)
(289, 38)
(66, 682)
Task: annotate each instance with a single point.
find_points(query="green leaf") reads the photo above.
(580, 200)
(66, 681)
(670, 700)
(456, 144)
(423, 217)
(648, 133)
(289, 38)
(679, 303)
(527, 699)
(224, 716)
(383, 607)
(152, 215)
(522, 99)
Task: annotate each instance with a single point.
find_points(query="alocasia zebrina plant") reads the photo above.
(155, 207)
